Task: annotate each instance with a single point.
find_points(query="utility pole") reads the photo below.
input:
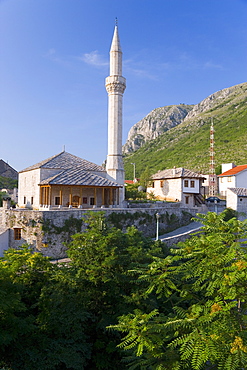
(134, 172)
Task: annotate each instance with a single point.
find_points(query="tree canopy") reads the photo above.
(125, 301)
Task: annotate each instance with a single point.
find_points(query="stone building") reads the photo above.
(178, 184)
(236, 199)
(65, 180)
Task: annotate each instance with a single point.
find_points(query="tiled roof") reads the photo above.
(77, 176)
(65, 160)
(241, 192)
(176, 173)
(233, 171)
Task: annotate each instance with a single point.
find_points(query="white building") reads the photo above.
(178, 184)
(65, 180)
(236, 199)
(232, 177)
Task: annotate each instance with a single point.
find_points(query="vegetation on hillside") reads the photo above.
(7, 183)
(187, 145)
(126, 302)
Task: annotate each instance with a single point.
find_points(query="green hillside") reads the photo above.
(187, 145)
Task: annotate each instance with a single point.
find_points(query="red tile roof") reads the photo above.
(233, 171)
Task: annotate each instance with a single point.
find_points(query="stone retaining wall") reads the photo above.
(47, 231)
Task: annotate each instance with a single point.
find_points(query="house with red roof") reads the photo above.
(232, 177)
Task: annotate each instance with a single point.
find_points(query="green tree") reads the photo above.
(146, 178)
(55, 316)
(42, 315)
(201, 322)
(102, 258)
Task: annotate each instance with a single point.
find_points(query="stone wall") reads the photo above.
(47, 231)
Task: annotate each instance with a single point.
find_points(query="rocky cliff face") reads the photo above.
(154, 124)
(212, 101)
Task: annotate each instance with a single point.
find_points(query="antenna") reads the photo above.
(64, 148)
(116, 21)
(212, 176)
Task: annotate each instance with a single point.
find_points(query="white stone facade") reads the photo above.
(174, 185)
(236, 198)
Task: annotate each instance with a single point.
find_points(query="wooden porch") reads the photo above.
(76, 196)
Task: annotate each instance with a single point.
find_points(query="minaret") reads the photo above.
(115, 86)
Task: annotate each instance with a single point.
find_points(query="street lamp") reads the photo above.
(215, 206)
(157, 225)
(134, 169)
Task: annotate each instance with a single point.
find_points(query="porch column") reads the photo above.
(103, 196)
(80, 201)
(40, 194)
(110, 196)
(61, 197)
(95, 197)
(46, 199)
(70, 197)
(50, 197)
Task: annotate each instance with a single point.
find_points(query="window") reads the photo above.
(84, 200)
(17, 234)
(186, 183)
(240, 199)
(187, 200)
(24, 200)
(161, 183)
(153, 184)
(192, 184)
(31, 200)
(91, 201)
(57, 201)
(221, 179)
(229, 179)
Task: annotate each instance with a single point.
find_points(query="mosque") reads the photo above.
(67, 181)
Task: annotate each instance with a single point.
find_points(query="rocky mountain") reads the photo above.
(155, 124)
(186, 144)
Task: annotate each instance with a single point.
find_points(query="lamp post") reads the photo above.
(134, 169)
(215, 206)
(157, 225)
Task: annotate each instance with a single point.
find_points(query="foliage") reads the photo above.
(146, 178)
(176, 309)
(202, 323)
(8, 183)
(132, 192)
(56, 315)
(102, 257)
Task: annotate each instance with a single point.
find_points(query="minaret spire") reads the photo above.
(115, 86)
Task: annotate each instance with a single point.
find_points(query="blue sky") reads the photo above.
(54, 58)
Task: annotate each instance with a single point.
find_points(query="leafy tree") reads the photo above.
(102, 257)
(8, 183)
(42, 318)
(132, 192)
(201, 323)
(55, 316)
(145, 178)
